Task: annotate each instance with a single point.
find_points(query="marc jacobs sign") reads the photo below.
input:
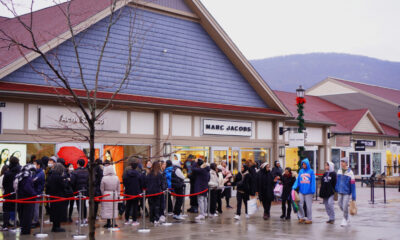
(63, 118)
(227, 128)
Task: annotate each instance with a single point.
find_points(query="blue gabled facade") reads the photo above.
(174, 58)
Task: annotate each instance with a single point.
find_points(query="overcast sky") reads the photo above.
(268, 28)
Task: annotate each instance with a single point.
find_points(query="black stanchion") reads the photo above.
(41, 234)
(143, 229)
(208, 203)
(384, 191)
(16, 228)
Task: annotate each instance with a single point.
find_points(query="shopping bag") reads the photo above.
(353, 208)
(278, 190)
(294, 205)
(295, 196)
(252, 206)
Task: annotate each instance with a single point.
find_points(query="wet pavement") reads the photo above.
(378, 221)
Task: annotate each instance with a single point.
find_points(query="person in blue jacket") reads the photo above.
(346, 188)
(306, 184)
(168, 175)
(38, 183)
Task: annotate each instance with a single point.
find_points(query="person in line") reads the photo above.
(71, 202)
(189, 164)
(38, 183)
(220, 188)
(306, 184)
(177, 183)
(327, 190)
(213, 185)
(346, 189)
(133, 183)
(242, 182)
(8, 186)
(109, 185)
(98, 176)
(153, 184)
(201, 174)
(227, 193)
(25, 189)
(80, 182)
(59, 186)
(265, 188)
(168, 175)
(288, 180)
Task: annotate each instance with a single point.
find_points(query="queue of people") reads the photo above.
(53, 177)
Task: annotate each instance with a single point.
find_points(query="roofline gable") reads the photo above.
(373, 120)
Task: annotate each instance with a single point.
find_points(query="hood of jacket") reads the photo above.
(176, 163)
(331, 166)
(109, 171)
(307, 162)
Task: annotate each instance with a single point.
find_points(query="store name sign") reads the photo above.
(296, 139)
(367, 143)
(227, 128)
(63, 118)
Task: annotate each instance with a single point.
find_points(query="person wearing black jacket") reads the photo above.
(327, 190)
(242, 182)
(26, 189)
(189, 164)
(177, 184)
(277, 171)
(8, 186)
(153, 184)
(287, 180)
(252, 166)
(265, 188)
(133, 183)
(98, 176)
(202, 176)
(80, 182)
(59, 186)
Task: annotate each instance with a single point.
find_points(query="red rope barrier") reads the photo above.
(189, 195)
(3, 196)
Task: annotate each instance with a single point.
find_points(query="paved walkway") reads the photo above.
(379, 221)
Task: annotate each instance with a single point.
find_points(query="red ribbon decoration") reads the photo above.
(300, 100)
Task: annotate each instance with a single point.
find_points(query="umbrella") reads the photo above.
(71, 155)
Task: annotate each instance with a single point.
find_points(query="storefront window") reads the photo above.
(354, 163)
(258, 155)
(336, 158)
(377, 163)
(183, 152)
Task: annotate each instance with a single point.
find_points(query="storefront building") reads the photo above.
(193, 93)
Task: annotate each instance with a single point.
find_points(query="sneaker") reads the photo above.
(330, 221)
(4, 229)
(156, 222)
(301, 220)
(200, 217)
(344, 223)
(170, 214)
(229, 206)
(287, 217)
(237, 217)
(48, 222)
(178, 217)
(162, 218)
(247, 216)
(128, 222)
(308, 222)
(134, 224)
(282, 216)
(215, 215)
(58, 230)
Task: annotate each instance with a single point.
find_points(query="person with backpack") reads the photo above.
(306, 184)
(153, 184)
(346, 189)
(242, 182)
(168, 175)
(8, 186)
(80, 182)
(133, 183)
(327, 190)
(265, 188)
(177, 184)
(288, 180)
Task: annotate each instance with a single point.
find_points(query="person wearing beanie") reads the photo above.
(346, 188)
(202, 176)
(327, 190)
(306, 184)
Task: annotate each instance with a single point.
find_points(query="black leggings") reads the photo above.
(132, 206)
(154, 205)
(213, 200)
(267, 206)
(178, 201)
(241, 197)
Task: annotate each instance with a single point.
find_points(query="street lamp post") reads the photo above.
(300, 101)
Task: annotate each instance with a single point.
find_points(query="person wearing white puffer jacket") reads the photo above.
(177, 184)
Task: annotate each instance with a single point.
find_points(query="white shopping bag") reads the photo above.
(252, 206)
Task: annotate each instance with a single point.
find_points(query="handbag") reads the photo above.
(252, 206)
(353, 208)
(278, 190)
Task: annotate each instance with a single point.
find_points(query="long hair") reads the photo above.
(155, 168)
(58, 168)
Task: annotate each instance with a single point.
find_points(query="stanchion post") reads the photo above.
(208, 202)
(113, 225)
(384, 191)
(167, 209)
(79, 235)
(41, 234)
(144, 229)
(16, 228)
(184, 198)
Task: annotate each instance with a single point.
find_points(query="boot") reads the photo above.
(283, 216)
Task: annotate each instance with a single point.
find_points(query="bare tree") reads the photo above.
(90, 106)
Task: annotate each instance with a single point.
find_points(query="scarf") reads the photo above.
(27, 171)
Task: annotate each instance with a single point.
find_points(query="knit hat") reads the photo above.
(331, 166)
(54, 158)
(263, 165)
(345, 159)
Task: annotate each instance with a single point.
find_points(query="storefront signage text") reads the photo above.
(227, 128)
(296, 139)
(359, 147)
(367, 143)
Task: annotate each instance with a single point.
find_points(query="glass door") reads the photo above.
(365, 164)
(236, 162)
(219, 154)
